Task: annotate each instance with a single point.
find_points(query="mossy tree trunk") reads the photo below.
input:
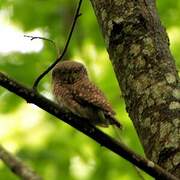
(138, 48)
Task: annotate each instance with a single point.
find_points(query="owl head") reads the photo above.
(69, 72)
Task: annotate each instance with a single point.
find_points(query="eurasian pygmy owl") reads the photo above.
(76, 93)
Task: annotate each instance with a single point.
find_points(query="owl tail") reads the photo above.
(115, 122)
(105, 120)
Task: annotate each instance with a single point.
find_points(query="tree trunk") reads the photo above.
(138, 48)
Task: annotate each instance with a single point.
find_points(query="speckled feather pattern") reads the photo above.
(76, 93)
(85, 91)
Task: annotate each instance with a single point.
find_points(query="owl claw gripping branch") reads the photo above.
(76, 93)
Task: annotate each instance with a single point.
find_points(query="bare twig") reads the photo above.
(42, 38)
(82, 125)
(17, 166)
(45, 39)
(77, 14)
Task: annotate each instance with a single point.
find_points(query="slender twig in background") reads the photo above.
(38, 37)
(45, 39)
(17, 166)
(77, 14)
(31, 96)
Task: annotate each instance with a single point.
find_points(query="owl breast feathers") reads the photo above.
(76, 93)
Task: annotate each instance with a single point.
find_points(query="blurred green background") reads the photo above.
(54, 149)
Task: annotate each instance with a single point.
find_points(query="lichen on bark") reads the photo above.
(138, 48)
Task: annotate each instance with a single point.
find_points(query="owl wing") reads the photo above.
(86, 93)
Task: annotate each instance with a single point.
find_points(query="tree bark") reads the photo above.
(138, 48)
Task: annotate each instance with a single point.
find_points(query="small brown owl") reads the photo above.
(76, 93)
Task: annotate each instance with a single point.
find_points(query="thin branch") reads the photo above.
(42, 38)
(77, 15)
(31, 96)
(17, 166)
(45, 39)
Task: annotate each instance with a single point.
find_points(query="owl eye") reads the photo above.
(62, 72)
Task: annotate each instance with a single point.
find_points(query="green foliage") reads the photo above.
(54, 149)
(169, 12)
